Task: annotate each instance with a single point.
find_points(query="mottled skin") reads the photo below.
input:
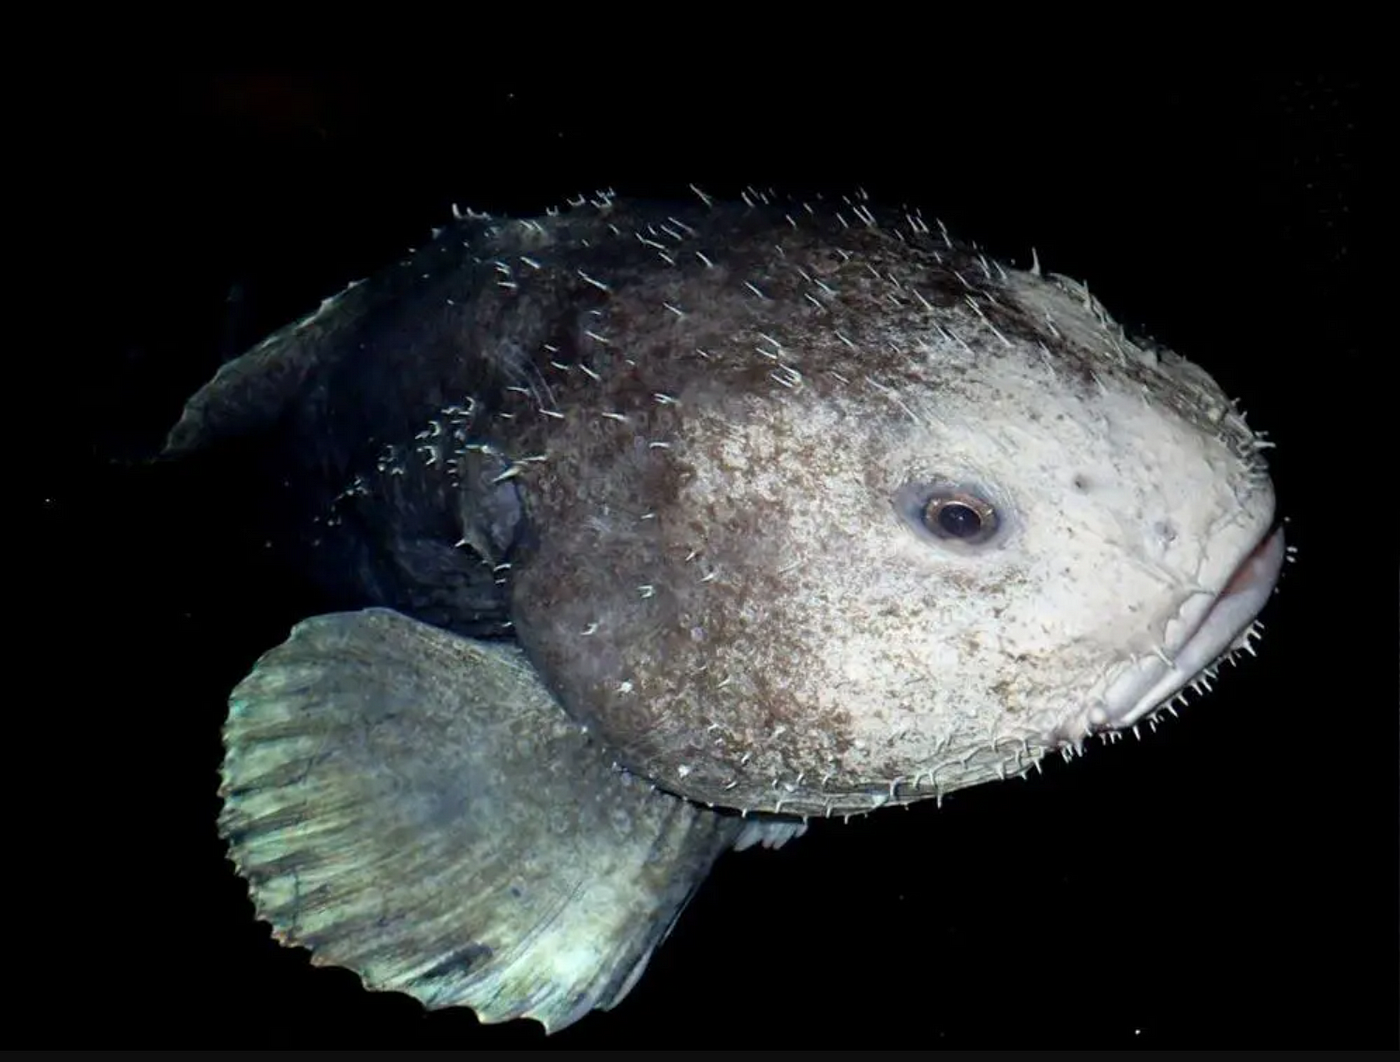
(660, 488)
(764, 629)
(723, 423)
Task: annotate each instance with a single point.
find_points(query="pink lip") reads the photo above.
(1262, 564)
(1224, 627)
(1248, 588)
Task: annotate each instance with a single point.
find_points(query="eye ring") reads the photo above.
(961, 516)
(957, 515)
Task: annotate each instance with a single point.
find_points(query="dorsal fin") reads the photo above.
(250, 393)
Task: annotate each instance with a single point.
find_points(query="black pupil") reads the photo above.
(960, 521)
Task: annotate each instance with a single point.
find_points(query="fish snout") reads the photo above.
(1207, 629)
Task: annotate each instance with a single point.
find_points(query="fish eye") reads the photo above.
(953, 514)
(960, 515)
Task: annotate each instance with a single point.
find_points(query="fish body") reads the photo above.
(674, 526)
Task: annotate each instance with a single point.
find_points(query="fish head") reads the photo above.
(921, 556)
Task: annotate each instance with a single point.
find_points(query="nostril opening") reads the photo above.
(1081, 482)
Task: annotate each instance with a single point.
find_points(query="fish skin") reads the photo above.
(533, 430)
(533, 392)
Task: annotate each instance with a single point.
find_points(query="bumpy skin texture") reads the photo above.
(718, 428)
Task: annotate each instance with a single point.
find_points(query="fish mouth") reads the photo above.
(1222, 627)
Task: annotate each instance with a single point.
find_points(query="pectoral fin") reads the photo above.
(416, 807)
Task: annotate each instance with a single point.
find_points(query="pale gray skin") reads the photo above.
(692, 458)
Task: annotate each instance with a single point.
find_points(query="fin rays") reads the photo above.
(414, 806)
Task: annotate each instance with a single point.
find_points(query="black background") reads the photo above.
(1228, 881)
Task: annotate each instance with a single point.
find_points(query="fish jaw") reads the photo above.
(1208, 630)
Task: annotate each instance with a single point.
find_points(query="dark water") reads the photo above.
(1230, 881)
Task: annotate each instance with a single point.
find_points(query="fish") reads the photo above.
(664, 528)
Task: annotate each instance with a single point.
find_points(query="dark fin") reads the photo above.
(488, 505)
(252, 391)
(416, 807)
